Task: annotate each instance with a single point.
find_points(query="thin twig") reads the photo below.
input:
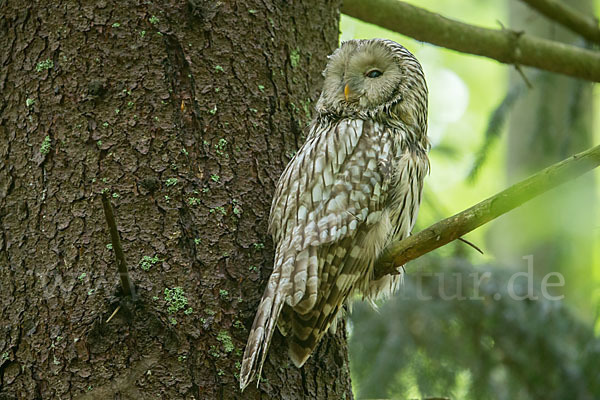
(503, 45)
(522, 73)
(113, 313)
(567, 16)
(126, 283)
(399, 253)
(471, 244)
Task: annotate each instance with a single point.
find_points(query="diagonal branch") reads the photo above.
(399, 253)
(506, 46)
(567, 16)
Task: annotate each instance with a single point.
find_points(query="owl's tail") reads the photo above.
(344, 269)
(309, 328)
(262, 329)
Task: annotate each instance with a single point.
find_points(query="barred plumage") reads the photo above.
(353, 187)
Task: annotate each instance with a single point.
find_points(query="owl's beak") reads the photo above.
(347, 92)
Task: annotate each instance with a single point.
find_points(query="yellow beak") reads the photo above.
(346, 92)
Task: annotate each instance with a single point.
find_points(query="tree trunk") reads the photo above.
(185, 114)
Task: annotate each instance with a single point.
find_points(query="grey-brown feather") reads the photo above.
(353, 187)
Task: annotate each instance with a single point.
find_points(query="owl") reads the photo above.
(353, 187)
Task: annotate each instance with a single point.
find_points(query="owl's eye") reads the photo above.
(374, 73)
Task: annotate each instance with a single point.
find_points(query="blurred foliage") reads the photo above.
(465, 333)
(494, 347)
(496, 125)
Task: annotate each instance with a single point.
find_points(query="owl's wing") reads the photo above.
(337, 182)
(347, 262)
(306, 182)
(334, 184)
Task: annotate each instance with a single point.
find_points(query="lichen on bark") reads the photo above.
(185, 114)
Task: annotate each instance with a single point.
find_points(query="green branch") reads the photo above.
(399, 253)
(506, 46)
(569, 17)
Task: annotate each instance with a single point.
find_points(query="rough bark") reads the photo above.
(186, 114)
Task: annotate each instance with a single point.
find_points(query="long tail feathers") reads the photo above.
(261, 332)
(308, 321)
(309, 328)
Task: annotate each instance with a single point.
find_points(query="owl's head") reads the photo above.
(377, 79)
